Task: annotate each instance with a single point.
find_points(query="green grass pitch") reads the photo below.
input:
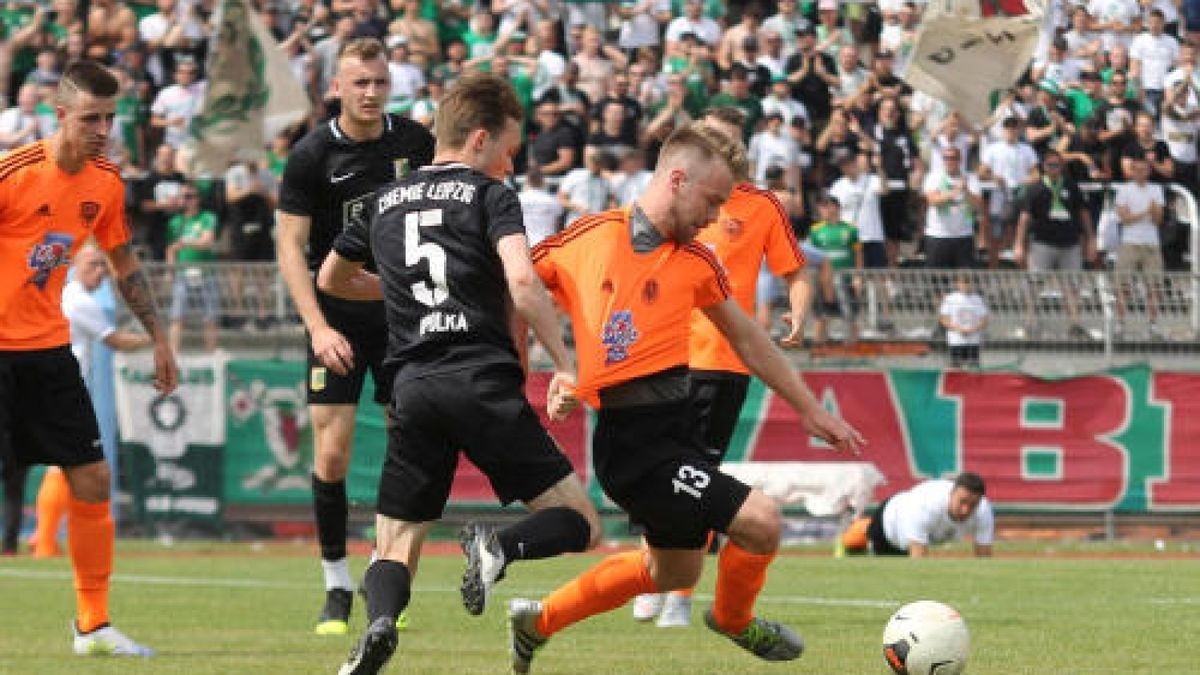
(238, 608)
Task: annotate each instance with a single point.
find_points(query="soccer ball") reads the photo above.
(926, 638)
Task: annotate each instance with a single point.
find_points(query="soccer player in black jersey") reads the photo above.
(460, 290)
(330, 176)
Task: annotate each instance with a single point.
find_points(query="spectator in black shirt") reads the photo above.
(812, 73)
(554, 140)
(1144, 145)
(631, 109)
(158, 199)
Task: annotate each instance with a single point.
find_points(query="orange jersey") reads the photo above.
(752, 226)
(629, 310)
(45, 214)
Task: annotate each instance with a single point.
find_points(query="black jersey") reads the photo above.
(433, 234)
(330, 177)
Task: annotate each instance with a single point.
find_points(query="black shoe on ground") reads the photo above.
(373, 650)
(335, 615)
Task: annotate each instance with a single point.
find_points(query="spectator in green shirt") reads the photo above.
(1086, 100)
(738, 95)
(838, 240)
(191, 239)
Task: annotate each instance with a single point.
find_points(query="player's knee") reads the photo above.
(89, 482)
(758, 525)
(675, 577)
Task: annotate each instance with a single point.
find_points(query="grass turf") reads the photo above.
(238, 608)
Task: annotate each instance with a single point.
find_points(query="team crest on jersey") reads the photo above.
(88, 211)
(400, 167)
(48, 255)
(733, 227)
(618, 336)
(650, 291)
(316, 379)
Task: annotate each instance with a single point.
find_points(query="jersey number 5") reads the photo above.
(415, 251)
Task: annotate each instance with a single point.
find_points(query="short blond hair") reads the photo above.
(706, 144)
(363, 49)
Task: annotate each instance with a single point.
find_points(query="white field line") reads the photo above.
(1175, 601)
(218, 582)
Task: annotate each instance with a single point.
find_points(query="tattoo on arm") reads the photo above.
(135, 288)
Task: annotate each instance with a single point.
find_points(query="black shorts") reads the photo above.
(367, 335)
(893, 211)
(718, 396)
(878, 540)
(950, 252)
(46, 415)
(650, 460)
(481, 412)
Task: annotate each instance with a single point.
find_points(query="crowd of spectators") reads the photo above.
(820, 82)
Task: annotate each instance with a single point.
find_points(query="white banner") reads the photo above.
(251, 93)
(962, 59)
(194, 414)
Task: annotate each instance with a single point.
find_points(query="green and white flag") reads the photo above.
(251, 93)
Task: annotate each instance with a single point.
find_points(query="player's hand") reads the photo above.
(166, 372)
(795, 334)
(833, 430)
(333, 350)
(560, 397)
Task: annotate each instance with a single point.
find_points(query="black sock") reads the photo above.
(389, 586)
(331, 510)
(545, 534)
(14, 502)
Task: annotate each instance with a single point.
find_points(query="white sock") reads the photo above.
(337, 574)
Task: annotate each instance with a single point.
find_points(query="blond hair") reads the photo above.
(701, 142)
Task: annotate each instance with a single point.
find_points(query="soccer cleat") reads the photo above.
(768, 640)
(377, 645)
(647, 606)
(676, 612)
(485, 565)
(335, 615)
(106, 641)
(523, 635)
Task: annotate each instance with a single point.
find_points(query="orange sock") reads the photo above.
(740, 576)
(90, 536)
(610, 584)
(52, 499)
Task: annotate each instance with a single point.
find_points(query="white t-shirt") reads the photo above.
(641, 30)
(550, 67)
(407, 80)
(1137, 198)
(790, 108)
(921, 515)
(964, 309)
(542, 213)
(627, 188)
(14, 119)
(1122, 11)
(1157, 55)
(584, 187)
(952, 219)
(707, 29)
(768, 150)
(177, 101)
(859, 201)
(88, 322)
(1180, 136)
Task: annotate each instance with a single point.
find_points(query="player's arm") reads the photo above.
(135, 289)
(799, 292)
(328, 344)
(126, 340)
(533, 304)
(348, 280)
(764, 359)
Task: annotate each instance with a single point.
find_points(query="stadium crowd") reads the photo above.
(828, 115)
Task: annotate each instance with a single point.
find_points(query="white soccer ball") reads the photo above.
(926, 638)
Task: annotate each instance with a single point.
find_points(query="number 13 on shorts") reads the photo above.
(690, 481)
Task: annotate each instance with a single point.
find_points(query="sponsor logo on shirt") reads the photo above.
(48, 255)
(618, 336)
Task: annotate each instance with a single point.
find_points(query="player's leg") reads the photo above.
(57, 424)
(523, 463)
(718, 397)
(741, 574)
(333, 432)
(332, 405)
(414, 485)
(53, 499)
(14, 476)
(388, 586)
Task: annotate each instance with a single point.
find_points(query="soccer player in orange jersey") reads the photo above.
(630, 280)
(752, 228)
(54, 195)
